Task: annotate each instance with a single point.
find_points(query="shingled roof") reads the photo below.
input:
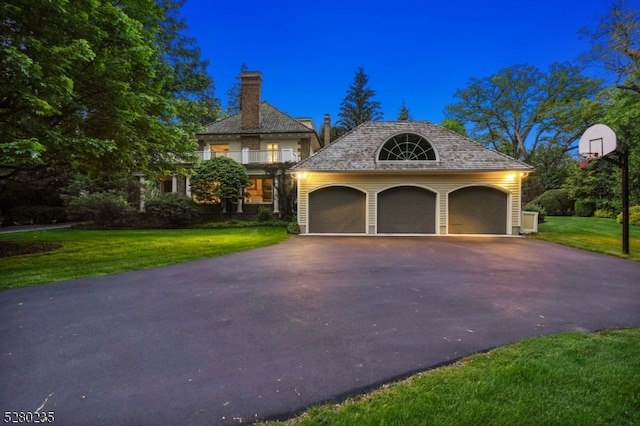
(356, 151)
(272, 121)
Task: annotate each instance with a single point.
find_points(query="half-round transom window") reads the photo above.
(407, 147)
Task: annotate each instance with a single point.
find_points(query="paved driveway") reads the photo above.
(270, 331)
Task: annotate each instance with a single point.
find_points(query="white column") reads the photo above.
(141, 204)
(174, 183)
(187, 184)
(240, 200)
(245, 155)
(276, 202)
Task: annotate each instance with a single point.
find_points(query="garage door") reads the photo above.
(477, 210)
(337, 209)
(406, 210)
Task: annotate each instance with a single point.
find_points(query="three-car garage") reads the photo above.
(407, 209)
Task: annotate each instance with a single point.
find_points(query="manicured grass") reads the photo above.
(570, 378)
(89, 253)
(589, 233)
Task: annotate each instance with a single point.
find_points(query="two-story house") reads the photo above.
(257, 136)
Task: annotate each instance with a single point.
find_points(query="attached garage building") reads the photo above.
(412, 178)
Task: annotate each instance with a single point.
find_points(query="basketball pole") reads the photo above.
(623, 163)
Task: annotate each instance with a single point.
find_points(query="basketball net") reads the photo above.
(583, 163)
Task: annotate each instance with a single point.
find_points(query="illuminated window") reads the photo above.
(272, 153)
(407, 147)
(260, 190)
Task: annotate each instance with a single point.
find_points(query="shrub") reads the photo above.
(605, 213)
(634, 216)
(556, 202)
(264, 215)
(105, 209)
(542, 213)
(172, 208)
(584, 208)
(293, 228)
(28, 215)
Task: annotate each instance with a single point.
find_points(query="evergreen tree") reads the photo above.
(358, 106)
(234, 94)
(404, 114)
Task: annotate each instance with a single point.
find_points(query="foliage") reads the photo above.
(616, 43)
(234, 94)
(595, 185)
(404, 114)
(235, 223)
(634, 216)
(107, 210)
(530, 115)
(89, 253)
(172, 208)
(98, 86)
(584, 209)
(220, 180)
(33, 196)
(455, 126)
(264, 214)
(285, 188)
(604, 213)
(556, 202)
(359, 105)
(293, 228)
(623, 116)
(29, 215)
(542, 213)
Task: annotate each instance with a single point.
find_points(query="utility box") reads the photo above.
(529, 222)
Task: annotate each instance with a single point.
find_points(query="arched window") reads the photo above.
(407, 147)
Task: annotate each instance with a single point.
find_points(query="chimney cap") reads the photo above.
(249, 74)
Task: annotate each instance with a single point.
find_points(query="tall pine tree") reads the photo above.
(358, 106)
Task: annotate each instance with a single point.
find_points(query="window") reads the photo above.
(272, 153)
(260, 190)
(407, 147)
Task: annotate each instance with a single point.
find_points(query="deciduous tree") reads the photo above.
(99, 87)
(616, 43)
(528, 114)
(220, 181)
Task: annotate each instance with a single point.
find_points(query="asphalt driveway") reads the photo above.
(271, 331)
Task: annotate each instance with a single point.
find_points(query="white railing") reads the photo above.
(247, 156)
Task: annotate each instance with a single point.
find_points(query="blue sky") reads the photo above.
(419, 52)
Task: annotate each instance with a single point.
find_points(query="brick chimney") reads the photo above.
(326, 129)
(250, 99)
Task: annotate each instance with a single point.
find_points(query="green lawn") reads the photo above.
(589, 233)
(89, 253)
(566, 379)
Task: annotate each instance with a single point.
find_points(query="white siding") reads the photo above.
(441, 184)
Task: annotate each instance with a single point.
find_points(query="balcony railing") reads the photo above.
(247, 156)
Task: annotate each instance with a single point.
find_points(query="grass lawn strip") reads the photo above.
(90, 253)
(571, 378)
(589, 233)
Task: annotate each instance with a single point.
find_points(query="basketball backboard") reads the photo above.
(597, 141)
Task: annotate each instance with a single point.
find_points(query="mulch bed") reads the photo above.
(10, 248)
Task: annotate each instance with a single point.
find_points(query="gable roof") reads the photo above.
(272, 121)
(356, 151)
